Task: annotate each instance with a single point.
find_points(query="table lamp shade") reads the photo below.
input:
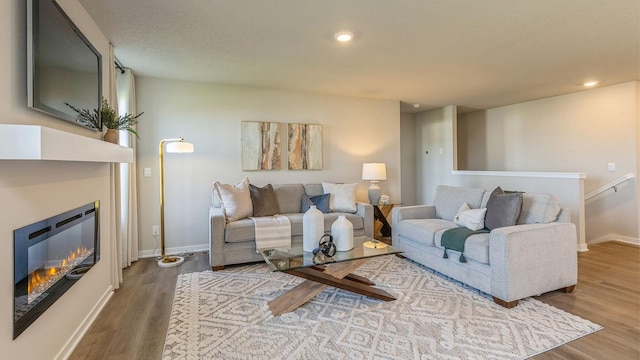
(374, 172)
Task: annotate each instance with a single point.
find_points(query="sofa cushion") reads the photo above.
(264, 200)
(239, 231)
(503, 209)
(343, 197)
(313, 189)
(235, 200)
(422, 230)
(320, 201)
(538, 209)
(475, 248)
(472, 219)
(448, 200)
(289, 196)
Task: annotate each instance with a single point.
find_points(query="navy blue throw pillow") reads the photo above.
(320, 201)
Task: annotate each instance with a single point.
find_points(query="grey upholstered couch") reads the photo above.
(536, 255)
(234, 242)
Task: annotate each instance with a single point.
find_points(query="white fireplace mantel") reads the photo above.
(34, 142)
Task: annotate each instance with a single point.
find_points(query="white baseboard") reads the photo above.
(174, 251)
(71, 344)
(615, 237)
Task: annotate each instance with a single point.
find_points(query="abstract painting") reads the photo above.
(261, 146)
(305, 147)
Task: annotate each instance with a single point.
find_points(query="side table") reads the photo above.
(381, 226)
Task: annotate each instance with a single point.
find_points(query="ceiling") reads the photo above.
(475, 54)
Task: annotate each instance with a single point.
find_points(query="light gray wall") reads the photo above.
(580, 132)
(408, 158)
(210, 115)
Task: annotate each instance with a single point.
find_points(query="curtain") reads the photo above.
(115, 239)
(129, 196)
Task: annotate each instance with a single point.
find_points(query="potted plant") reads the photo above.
(110, 120)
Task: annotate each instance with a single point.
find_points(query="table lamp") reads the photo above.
(177, 145)
(374, 172)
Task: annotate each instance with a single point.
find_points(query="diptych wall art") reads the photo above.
(261, 148)
(304, 147)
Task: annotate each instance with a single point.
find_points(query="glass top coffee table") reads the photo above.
(320, 271)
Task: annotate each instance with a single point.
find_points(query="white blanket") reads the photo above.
(272, 231)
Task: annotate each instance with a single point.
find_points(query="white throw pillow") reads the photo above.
(343, 197)
(473, 219)
(235, 200)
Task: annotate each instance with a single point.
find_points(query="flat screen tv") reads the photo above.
(62, 65)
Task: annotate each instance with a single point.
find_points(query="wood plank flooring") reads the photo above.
(134, 323)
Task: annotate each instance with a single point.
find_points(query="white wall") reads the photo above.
(210, 115)
(580, 132)
(33, 190)
(434, 149)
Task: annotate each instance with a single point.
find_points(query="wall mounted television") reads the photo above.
(62, 65)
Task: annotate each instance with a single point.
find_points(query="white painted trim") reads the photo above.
(173, 251)
(550, 175)
(615, 237)
(582, 247)
(33, 142)
(71, 344)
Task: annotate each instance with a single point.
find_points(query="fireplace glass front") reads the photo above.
(49, 257)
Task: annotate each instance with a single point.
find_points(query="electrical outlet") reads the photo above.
(155, 230)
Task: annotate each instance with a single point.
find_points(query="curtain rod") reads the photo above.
(118, 65)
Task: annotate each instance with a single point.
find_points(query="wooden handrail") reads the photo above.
(612, 185)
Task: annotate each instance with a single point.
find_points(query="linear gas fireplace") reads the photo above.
(49, 257)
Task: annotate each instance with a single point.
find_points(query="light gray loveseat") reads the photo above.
(535, 256)
(234, 242)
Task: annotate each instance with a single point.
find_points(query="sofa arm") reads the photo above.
(217, 224)
(400, 213)
(366, 211)
(528, 260)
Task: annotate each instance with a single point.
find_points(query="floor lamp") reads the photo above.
(173, 146)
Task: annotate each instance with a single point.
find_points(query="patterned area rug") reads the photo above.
(224, 315)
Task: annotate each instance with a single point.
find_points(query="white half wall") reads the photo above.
(209, 116)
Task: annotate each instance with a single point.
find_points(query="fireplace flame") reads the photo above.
(42, 279)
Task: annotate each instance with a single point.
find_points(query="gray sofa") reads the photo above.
(536, 255)
(234, 242)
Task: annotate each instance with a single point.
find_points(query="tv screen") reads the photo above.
(63, 67)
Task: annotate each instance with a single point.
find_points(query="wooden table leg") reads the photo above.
(317, 279)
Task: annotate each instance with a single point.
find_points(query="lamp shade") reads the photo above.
(180, 147)
(374, 171)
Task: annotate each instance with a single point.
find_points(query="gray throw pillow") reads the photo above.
(320, 201)
(265, 202)
(503, 209)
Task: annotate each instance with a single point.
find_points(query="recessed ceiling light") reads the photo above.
(344, 36)
(416, 105)
(591, 83)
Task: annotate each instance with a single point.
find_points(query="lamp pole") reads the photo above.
(168, 261)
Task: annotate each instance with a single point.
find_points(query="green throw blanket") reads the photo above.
(455, 238)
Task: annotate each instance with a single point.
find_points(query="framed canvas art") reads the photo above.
(261, 148)
(304, 147)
